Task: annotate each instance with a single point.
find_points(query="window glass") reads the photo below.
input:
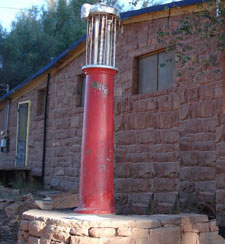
(148, 74)
(166, 70)
(23, 112)
(156, 72)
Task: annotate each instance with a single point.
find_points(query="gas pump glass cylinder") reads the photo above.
(97, 154)
(102, 22)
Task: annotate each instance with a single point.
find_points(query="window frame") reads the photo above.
(136, 70)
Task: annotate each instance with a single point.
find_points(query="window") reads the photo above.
(82, 90)
(41, 101)
(156, 72)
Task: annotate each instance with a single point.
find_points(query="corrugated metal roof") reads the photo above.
(123, 16)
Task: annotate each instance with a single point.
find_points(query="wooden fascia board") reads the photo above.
(29, 87)
(176, 11)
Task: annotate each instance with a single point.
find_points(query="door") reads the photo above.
(22, 134)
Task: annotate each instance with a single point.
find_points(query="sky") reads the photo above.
(10, 8)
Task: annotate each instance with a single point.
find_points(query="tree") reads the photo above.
(37, 36)
(145, 3)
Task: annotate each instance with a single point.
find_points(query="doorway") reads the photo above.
(23, 123)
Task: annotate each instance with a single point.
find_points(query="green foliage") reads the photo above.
(37, 36)
(201, 26)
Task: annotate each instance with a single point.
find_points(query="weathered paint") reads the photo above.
(98, 86)
(96, 178)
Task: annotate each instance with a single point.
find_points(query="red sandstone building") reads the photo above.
(169, 116)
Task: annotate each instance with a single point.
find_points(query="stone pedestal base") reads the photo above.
(48, 227)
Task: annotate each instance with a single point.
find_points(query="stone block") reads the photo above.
(125, 138)
(165, 235)
(33, 240)
(167, 170)
(210, 125)
(207, 92)
(124, 232)
(36, 228)
(208, 186)
(3, 204)
(220, 181)
(164, 184)
(189, 238)
(165, 120)
(193, 126)
(12, 209)
(194, 218)
(45, 241)
(220, 196)
(207, 109)
(193, 94)
(84, 240)
(44, 204)
(142, 170)
(119, 240)
(24, 225)
(220, 166)
(184, 111)
(138, 157)
(196, 228)
(204, 146)
(203, 173)
(207, 158)
(122, 185)
(121, 199)
(147, 137)
(165, 197)
(122, 170)
(56, 233)
(186, 173)
(170, 136)
(139, 198)
(20, 237)
(65, 200)
(102, 232)
(79, 231)
(187, 186)
(210, 238)
(213, 226)
(138, 233)
(140, 121)
(141, 185)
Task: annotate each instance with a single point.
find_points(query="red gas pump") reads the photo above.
(96, 177)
